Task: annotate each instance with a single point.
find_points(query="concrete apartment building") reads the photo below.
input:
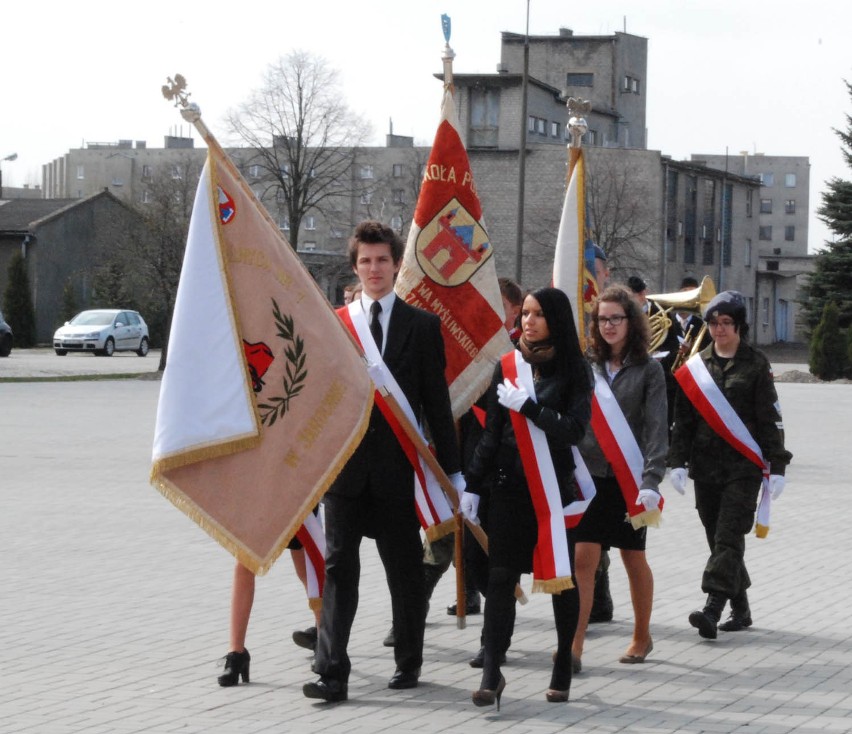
(679, 217)
(782, 257)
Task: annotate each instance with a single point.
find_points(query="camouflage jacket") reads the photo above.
(748, 385)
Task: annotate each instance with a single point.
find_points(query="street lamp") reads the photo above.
(11, 157)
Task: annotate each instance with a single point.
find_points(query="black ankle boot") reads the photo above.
(602, 600)
(705, 621)
(740, 617)
(236, 666)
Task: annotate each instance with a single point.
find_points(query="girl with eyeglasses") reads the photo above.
(618, 352)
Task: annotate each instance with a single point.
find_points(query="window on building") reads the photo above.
(592, 137)
(81, 173)
(308, 246)
(396, 223)
(790, 206)
(336, 233)
(765, 233)
(767, 179)
(284, 170)
(176, 172)
(790, 233)
(541, 126)
(366, 197)
(147, 171)
(310, 222)
(398, 170)
(399, 196)
(254, 171)
(579, 79)
(630, 84)
(530, 124)
(146, 197)
(116, 181)
(790, 180)
(747, 253)
(484, 118)
(707, 249)
(749, 202)
(366, 172)
(765, 312)
(555, 129)
(766, 206)
(280, 195)
(772, 265)
(284, 223)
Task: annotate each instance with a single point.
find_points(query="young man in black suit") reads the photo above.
(373, 495)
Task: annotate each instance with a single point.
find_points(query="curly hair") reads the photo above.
(638, 330)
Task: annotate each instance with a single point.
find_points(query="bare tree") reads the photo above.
(303, 137)
(619, 217)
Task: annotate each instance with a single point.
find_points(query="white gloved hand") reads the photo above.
(776, 485)
(678, 478)
(469, 506)
(511, 397)
(377, 375)
(459, 483)
(649, 498)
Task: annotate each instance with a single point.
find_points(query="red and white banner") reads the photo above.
(312, 537)
(265, 396)
(448, 267)
(622, 451)
(551, 560)
(433, 509)
(708, 400)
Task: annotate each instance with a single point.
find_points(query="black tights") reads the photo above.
(500, 623)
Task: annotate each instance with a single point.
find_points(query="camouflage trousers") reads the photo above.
(727, 514)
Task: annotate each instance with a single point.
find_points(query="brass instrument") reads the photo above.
(693, 301)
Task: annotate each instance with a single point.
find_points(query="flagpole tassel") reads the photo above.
(552, 586)
(647, 519)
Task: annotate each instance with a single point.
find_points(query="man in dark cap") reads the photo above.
(728, 434)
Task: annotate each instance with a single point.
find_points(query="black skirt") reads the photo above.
(605, 521)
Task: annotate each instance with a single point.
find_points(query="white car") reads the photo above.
(103, 331)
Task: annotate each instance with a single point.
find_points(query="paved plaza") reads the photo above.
(114, 605)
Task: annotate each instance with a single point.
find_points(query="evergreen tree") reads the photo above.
(18, 303)
(831, 280)
(69, 304)
(828, 346)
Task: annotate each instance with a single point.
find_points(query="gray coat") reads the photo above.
(640, 390)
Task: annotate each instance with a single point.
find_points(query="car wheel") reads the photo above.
(143, 347)
(109, 347)
(61, 352)
(5, 345)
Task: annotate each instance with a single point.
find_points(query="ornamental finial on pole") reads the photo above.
(191, 112)
(577, 124)
(448, 55)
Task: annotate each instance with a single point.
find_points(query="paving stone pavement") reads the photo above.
(114, 606)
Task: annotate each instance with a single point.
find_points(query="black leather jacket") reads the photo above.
(562, 409)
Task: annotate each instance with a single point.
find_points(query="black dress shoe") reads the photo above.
(401, 679)
(306, 638)
(471, 606)
(737, 622)
(236, 667)
(326, 689)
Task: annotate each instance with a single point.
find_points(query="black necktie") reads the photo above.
(375, 324)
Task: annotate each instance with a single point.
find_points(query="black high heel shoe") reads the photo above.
(236, 666)
(555, 696)
(487, 697)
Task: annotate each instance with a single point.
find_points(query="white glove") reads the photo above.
(511, 397)
(377, 375)
(678, 478)
(469, 506)
(776, 485)
(649, 498)
(458, 483)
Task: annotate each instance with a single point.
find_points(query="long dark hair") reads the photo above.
(638, 331)
(563, 333)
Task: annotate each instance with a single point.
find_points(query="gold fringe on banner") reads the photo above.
(647, 519)
(436, 532)
(761, 531)
(315, 603)
(552, 586)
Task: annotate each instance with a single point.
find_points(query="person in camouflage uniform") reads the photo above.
(726, 482)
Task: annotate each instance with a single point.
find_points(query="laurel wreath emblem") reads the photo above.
(295, 373)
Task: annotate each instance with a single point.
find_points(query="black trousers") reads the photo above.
(727, 514)
(397, 532)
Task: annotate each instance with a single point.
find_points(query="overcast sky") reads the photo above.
(757, 75)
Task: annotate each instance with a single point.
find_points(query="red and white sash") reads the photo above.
(585, 488)
(622, 451)
(312, 538)
(708, 400)
(433, 508)
(551, 562)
